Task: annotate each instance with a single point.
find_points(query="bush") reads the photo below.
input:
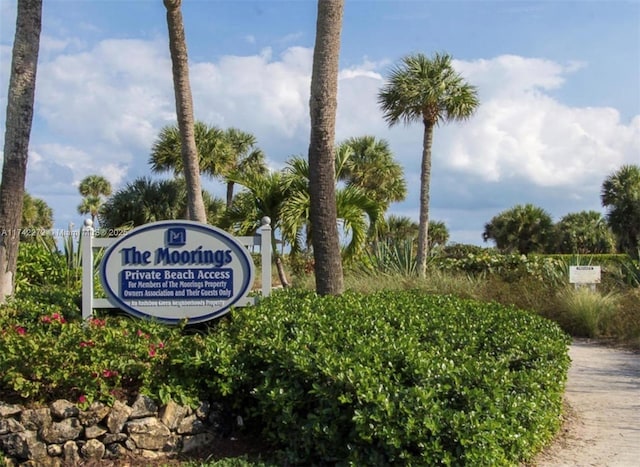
(587, 313)
(380, 379)
(398, 378)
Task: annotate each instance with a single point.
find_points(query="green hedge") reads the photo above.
(392, 378)
(398, 378)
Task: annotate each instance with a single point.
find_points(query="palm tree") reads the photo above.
(582, 233)
(621, 196)
(524, 229)
(265, 196)
(398, 229)
(430, 91)
(184, 110)
(19, 117)
(145, 200)
(221, 152)
(356, 211)
(372, 168)
(438, 234)
(214, 151)
(322, 109)
(93, 188)
(37, 216)
(244, 156)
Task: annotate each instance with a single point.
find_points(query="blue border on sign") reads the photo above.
(241, 253)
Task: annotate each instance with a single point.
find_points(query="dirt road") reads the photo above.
(603, 422)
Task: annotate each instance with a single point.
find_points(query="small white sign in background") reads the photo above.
(584, 274)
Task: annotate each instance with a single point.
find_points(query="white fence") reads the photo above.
(90, 243)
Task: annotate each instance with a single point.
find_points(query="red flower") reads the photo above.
(82, 399)
(87, 344)
(46, 319)
(161, 345)
(152, 351)
(20, 330)
(97, 322)
(109, 373)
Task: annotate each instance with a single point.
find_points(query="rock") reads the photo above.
(143, 407)
(10, 425)
(148, 433)
(60, 432)
(9, 410)
(118, 417)
(191, 425)
(94, 415)
(35, 419)
(196, 442)
(172, 414)
(70, 450)
(115, 451)
(54, 450)
(110, 438)
(93, 450)
(23, 445)
(94, 431)
(202, 412)
(62, 409)
(14, 445)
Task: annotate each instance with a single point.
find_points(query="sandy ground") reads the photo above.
(602, 426)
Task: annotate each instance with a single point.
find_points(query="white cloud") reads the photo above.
(99, 110)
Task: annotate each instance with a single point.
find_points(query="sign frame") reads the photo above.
(175, 237)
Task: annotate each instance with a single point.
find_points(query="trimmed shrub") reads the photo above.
(398, 378)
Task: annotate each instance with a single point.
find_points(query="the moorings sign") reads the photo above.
(175, 270)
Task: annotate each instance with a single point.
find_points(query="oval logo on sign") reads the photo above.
(172, 270)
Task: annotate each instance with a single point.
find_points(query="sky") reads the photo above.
(558, 81)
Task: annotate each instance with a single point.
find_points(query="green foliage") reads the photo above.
(398, 377)
(521, 229)
(621, 196)
(391, 257)
(583, 233)
(510, 267)
(52, 357)
(380, 379)
(587, 313)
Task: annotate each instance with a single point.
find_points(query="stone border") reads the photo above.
(64, 434)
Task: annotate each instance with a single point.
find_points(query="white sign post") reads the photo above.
(175, 270)
(584, 276)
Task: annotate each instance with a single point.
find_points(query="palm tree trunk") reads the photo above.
(282, 275)
(323, 106)
(425, 181)
(184, 109)
(22, 86)
(230, 186)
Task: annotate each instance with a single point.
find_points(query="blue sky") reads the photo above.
(559, 83)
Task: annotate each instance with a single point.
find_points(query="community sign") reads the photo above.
(175, 270)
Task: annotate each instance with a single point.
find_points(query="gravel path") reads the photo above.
(602, 425)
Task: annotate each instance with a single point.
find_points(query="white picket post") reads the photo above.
(86, 239)
(265, 251)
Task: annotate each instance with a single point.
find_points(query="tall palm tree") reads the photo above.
(19, 117)
(322, 108)
(93, 188)
(427, 90)
(621, 196)
(184, 109)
